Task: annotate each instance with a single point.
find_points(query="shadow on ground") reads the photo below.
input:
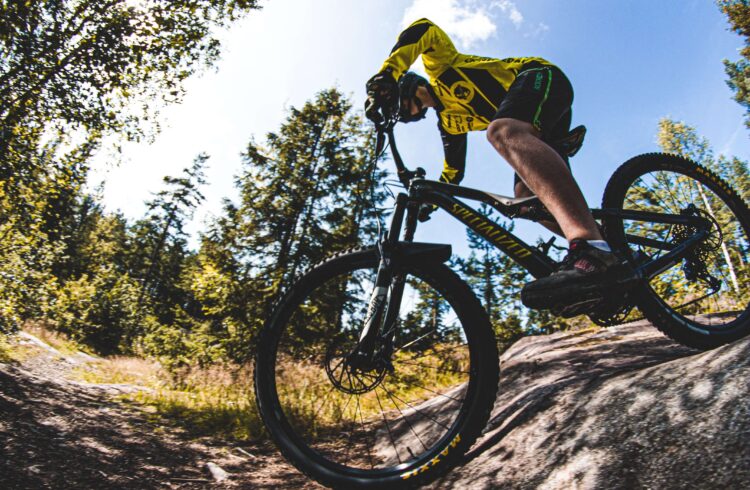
(618, 408)
(58, 434)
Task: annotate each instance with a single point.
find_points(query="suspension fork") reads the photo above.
(398, 282)
(382, 305)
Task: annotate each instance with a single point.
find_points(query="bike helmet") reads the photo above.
(407, 90)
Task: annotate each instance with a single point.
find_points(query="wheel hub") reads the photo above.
(350, 372)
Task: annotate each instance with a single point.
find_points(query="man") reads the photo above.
(523, 104)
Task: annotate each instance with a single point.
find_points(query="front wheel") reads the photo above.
(703, 300)
(406, 416)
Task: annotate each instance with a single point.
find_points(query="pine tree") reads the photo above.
(160, 242)
(738, 13)
(309, 191)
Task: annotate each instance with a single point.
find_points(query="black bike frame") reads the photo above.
(531, 258)
(534, 260)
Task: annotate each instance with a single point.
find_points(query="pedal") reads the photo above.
(582, 308)
(565, 304)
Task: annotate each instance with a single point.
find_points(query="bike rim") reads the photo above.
(708, 290)
(372, 423)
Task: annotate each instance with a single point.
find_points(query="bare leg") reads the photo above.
(545, 173)
(522, 190)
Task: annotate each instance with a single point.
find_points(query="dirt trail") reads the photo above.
(57, 433)
(616, 408)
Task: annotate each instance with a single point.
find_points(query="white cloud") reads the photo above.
(464, 21)
(508, 7)
(468, 21)
(538, 32)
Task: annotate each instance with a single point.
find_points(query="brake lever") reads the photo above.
(379, 142)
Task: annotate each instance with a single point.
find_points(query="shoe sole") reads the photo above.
(549, 298)
(584, 297)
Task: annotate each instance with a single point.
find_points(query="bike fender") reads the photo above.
(439, 252)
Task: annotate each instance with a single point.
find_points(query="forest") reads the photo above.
(74, 73)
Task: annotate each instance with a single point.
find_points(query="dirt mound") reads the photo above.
(623, 407)
(58, 433)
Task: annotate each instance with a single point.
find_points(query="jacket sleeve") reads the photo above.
(421, 38)
(454, 146)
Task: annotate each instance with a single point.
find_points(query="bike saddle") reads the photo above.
(530, 208)
(514, 201)
(570, 144)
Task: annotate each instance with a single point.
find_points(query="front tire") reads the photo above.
(394, 427)
(703, 301)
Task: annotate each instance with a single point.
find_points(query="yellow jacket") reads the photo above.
(469, 88)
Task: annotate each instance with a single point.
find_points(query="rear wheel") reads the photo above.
(704, 299)
(407, 416)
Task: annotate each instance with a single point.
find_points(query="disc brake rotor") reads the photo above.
(347, 378)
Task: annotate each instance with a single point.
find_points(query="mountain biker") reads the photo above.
(524, 104)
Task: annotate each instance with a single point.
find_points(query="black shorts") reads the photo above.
(541, 96)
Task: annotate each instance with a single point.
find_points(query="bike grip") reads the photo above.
(379, 143)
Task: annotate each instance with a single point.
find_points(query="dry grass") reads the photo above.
(57, 340)
(214, 401)
(122, 369)
(6, 352)
(311, 404)
(218, 400)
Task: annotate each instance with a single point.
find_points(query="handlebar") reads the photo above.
(384, 124)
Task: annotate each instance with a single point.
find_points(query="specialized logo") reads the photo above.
(462, 90)
(538, 80)
(434, 461)
(490, 231)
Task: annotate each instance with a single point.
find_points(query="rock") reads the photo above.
(216, 471)
(623, 407)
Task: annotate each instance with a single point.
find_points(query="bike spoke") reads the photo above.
(364, 431)
(411, 428)
(388, 427)
(448, 349)
(325, 402)
(409, 344)
(424, 414)
(436, 392)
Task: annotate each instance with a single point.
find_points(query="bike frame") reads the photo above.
(531, 258)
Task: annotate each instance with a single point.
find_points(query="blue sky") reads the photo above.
(631, 63)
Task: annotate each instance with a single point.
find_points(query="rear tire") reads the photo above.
(354, 431)
(703, 301)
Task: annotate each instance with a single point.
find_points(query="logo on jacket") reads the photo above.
(462, 90)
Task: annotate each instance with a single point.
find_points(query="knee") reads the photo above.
(502, 132)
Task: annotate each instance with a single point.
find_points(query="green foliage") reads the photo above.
(305, 194)
(681, 139)
(738, 14)
(5, 349)
(70, 72)
(35, 208)
(101, 311)
(82, 63)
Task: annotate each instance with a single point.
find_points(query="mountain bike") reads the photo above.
(379, 366)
